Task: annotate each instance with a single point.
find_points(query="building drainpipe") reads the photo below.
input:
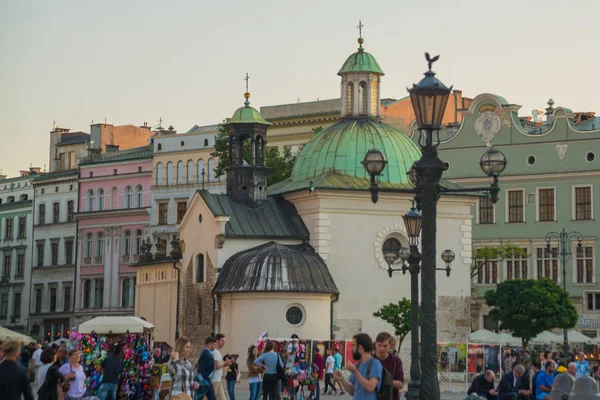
(334, 300)
(214, 313)
(178, 296)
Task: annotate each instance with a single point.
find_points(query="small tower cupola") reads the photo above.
(247, 181)
(361, 82)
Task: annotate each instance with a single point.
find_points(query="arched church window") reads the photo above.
(350, 97)
(200, 268)
(391, 245)
(362, 98)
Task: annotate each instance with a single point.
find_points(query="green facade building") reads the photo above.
(551, 182)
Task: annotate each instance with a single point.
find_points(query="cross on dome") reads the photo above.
(247, 94)
(360, 38)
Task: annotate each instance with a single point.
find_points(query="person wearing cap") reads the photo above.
(583, 367)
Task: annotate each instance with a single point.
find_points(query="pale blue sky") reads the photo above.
(131, 61)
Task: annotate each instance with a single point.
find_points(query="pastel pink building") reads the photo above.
(113, 218)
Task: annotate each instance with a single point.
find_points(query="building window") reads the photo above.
(4, 305)
(128, 197)
(87, 294)
(201, 172)
(515, 206)
(90, 200)
(99, 247)
(20, 265)
(52, 300)
(100, 199)
(88, 245)
(138, 242)
(200, 268)
(38, 300)
(125, 295)
(139, 196)
(68, 252)
(547, 264)
(159, 173)
(211, 169)
(489, 323)
(22, 221)
(71, 160)
(546, 204)
(391, 245)
(42, 213)
(181, 207)
(488, 274)
(593, 301)
(294, 315)
(205, 142)
(163, 213)
(190, 171)
(159, 147)
(99, 293)
(585, 266)
(350, 98)
(583, 203)
(133, 292)
(54, 253)
(362, 98)
(7, 266)
(61, 161)
(9, 228)
(67, 298)
(70, 211)
(180, 170)
(170, 173)
(40, 255)
(517, 267)
(55, 213)
(17, 305)
(127, 243)
(486, 211)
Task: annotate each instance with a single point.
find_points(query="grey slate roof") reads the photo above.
(275, 219)
(73, 137)
(274, 267)
(204, 128)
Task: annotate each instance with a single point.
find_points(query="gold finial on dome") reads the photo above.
(247, 94)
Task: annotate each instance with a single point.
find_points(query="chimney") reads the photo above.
(34, 170)
(549, 111)
(457, 100)
(112, 148)
(24, 173)
(2, 177)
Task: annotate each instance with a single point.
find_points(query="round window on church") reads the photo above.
(294, 315)
(391, 245)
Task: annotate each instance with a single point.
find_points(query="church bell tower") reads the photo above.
(247, 134)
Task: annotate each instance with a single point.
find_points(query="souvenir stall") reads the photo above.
(131, 337)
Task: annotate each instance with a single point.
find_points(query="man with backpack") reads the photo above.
(365, 380)
(393, 381)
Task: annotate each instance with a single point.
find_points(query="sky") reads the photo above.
(136, 61)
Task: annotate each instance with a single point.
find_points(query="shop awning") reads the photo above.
(546, 337)
(7, 334)
(115, 325)
(484, 336)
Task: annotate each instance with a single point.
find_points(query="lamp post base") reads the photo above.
(413, 391)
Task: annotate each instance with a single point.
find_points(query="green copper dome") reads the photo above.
(361, 61)
(332, 158)
(247, 115)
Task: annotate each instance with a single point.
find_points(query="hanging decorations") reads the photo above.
(136, 359)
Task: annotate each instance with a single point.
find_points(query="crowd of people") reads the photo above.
(374, 370)
(524, 379)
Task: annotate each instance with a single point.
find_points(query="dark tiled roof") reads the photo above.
(44, 176)
(274, 267)
(73, 137)
(121, 155)
(275, 219)
(204, 128)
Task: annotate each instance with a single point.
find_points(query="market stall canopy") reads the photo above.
(504, 338)
(577, 337)
(546, 337)
(115, 325)
(596, 340)
(7, 334)
(484, 336)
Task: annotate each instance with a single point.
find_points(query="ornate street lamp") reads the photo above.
(564, 239)
(429, 98)
(447, 258)
(176, 257)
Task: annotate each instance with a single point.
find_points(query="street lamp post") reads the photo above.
(176, 257)
(564, 253)
(429, 98)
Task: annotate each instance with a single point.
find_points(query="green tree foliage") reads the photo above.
(280, 165)
(530, 307)
(397, 315)
(487, 253)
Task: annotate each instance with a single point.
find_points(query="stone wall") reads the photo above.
(453, 319)
(196, 315)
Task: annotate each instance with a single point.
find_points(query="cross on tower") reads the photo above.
(247, 78)
(360, 26)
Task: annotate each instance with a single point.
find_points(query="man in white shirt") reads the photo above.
(36, 357)
(219, 365)
(329, 364)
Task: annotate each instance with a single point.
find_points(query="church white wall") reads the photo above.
(244, 316)
(348, 230)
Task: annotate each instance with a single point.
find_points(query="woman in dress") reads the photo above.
(254, 373)
(181, 370)
(74, 374)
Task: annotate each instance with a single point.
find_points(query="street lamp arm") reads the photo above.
(552, 235)
(575, 235)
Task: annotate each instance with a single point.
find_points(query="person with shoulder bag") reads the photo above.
(52, 386)
(74, 386)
